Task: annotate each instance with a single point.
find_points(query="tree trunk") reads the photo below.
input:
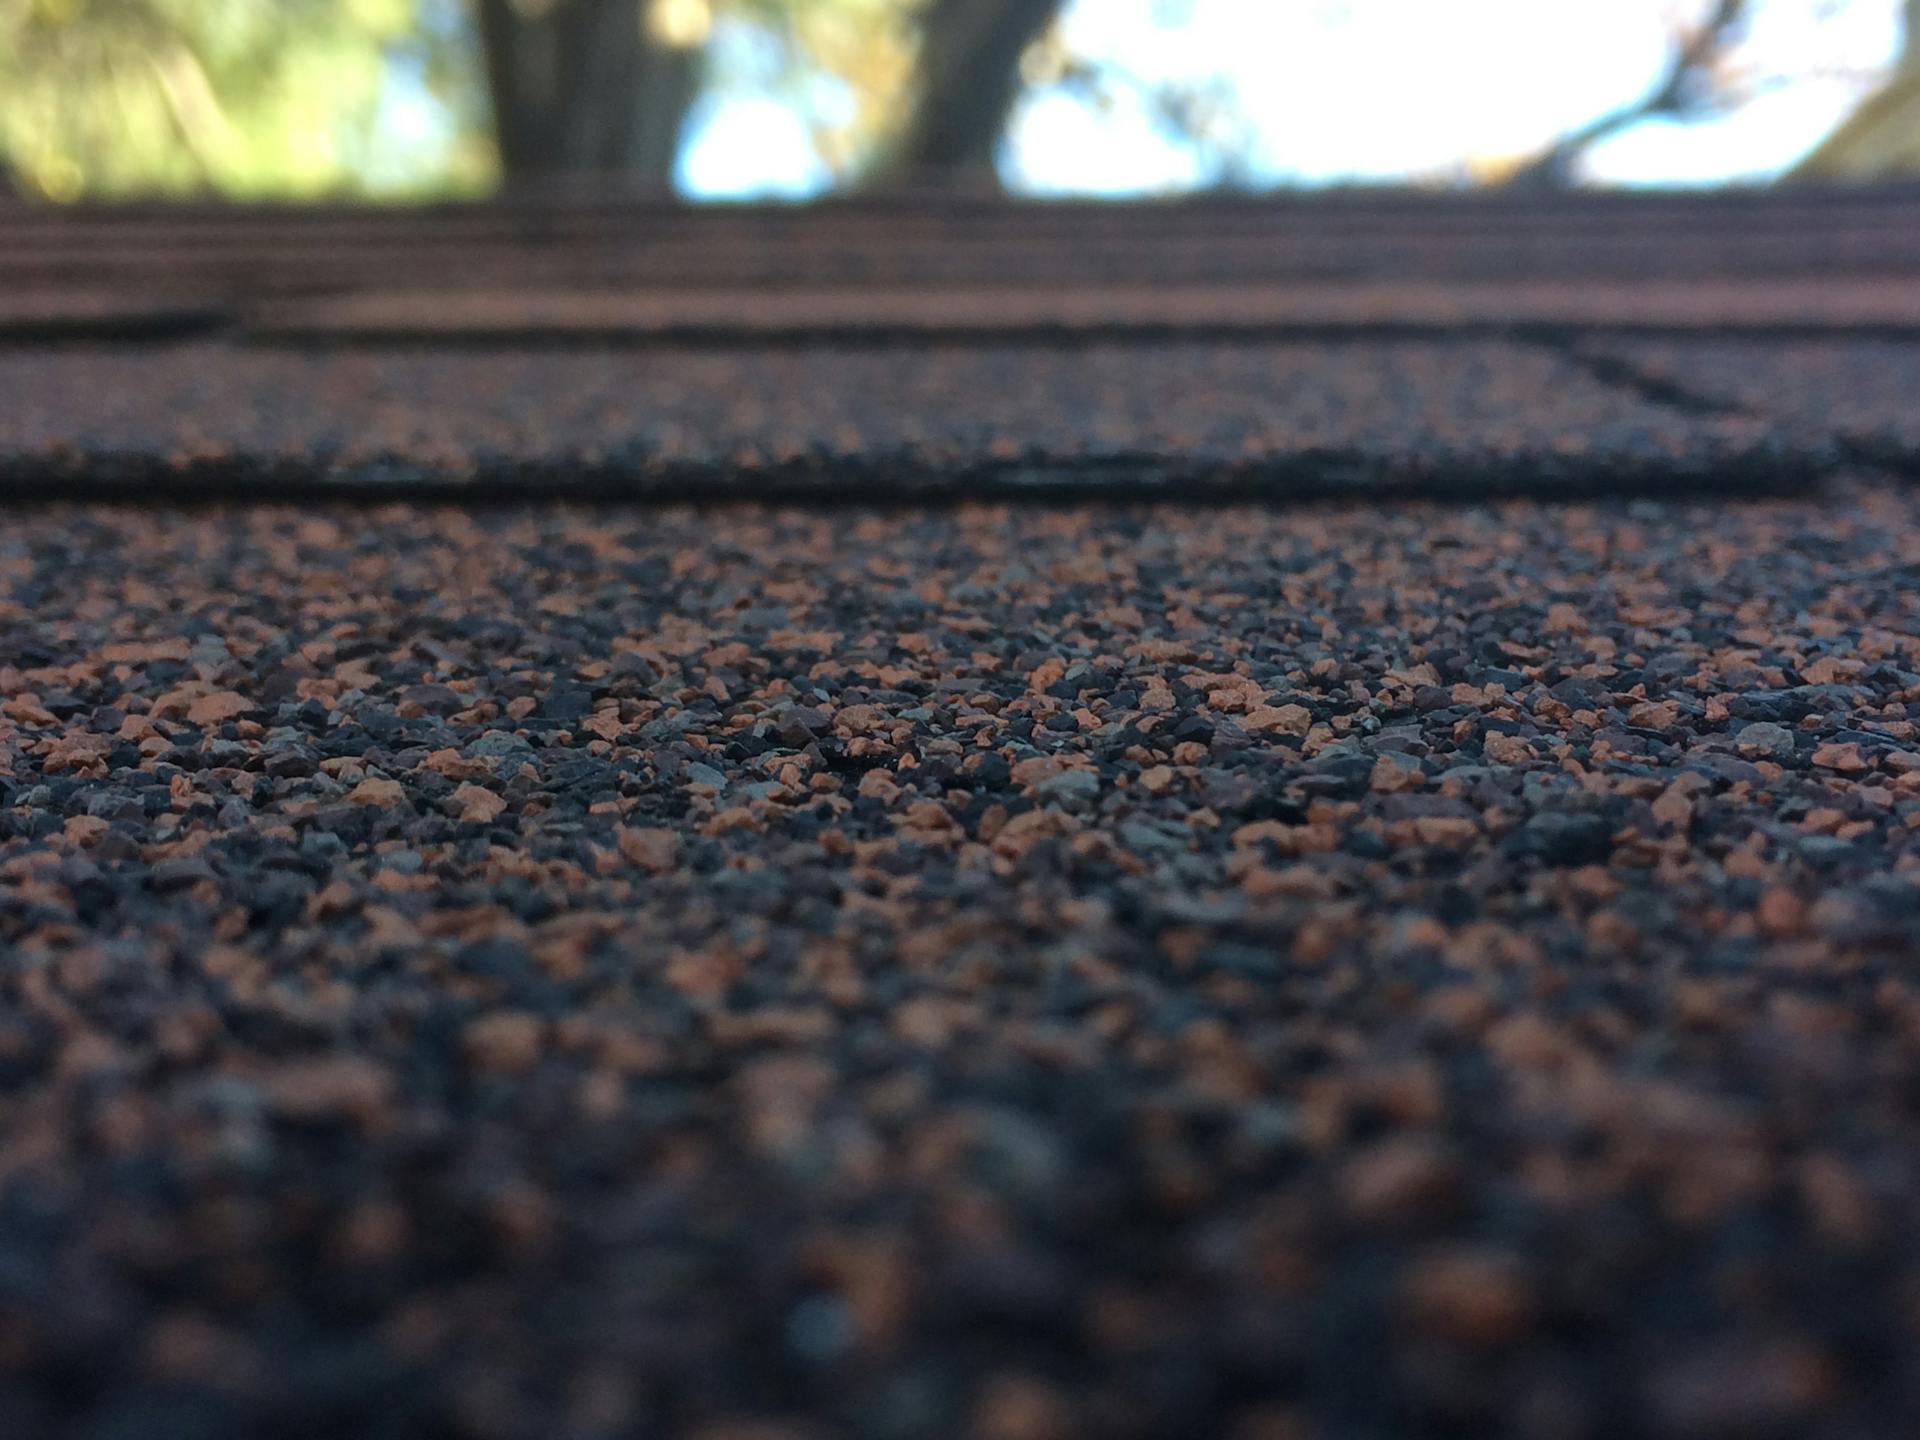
(583, 89)
(1881, 139)
(968, 77)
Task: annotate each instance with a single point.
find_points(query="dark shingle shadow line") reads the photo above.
(1619, 373)
(198, 326)
(150, 329)
(1881, 453)
(870, 481)
(1558, 335)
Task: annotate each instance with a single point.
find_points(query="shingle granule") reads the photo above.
(1124, 971)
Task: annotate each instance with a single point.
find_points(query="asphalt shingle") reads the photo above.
(1857, 392)
(912, 418)
(618, 971)
(1394, 968)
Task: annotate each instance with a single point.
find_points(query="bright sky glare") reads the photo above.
(1428, 91)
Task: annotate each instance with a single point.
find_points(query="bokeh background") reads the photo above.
(718, 99)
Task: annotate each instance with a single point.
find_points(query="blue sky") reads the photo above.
(1382, 90)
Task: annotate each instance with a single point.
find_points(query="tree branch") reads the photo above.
(1696, 53)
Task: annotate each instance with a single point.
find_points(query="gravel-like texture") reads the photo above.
(1277, 418)
(1017, 973)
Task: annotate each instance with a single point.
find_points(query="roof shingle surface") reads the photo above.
(1375, 969)
(908, 417)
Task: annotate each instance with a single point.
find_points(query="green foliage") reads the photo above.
(300, 99)
(245, 97)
